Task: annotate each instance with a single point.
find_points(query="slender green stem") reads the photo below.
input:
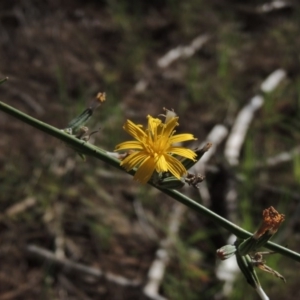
(236, 230)
(94, 151)
(71, 140)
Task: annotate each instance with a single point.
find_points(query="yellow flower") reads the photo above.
(154, 148)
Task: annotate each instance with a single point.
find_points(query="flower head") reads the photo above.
(154, 148)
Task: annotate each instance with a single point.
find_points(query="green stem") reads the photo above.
(71, 140)
(91, 150)
(236, 230)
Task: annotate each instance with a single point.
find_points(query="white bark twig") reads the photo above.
(239, 130)
(273, 6)
(182, 51)
(173, 55)
(215, 137)
(244, 118)
(273, 80)
(228, 269)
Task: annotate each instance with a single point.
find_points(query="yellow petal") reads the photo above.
(153, 123)
(133, 145)
(181, 151)
(134, 130)
(170, 125)
(145, 170)
(178, 138)
(133, 160)
(175, 166)
(161, 164)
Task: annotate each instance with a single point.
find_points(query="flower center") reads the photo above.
(155, 147)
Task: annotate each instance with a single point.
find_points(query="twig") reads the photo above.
(173, 55)
(70, 266)
(215, 138)
(273, 80)
(237, 136)
(273, 6)
(227, 270)
(71, 140)
(182, 51)
(242, 122)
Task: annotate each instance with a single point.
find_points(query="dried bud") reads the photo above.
(270, 224)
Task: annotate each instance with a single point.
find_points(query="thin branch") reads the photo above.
(215, 138)
(182, 51)
(273, 80)
(273, 6)
(71, 140)
(91, 150)
(239, 130)
(173, 55)
(242, 122)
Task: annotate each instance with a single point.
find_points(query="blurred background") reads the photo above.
(82, 230)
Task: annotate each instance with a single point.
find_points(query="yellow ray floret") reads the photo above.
(154, 148)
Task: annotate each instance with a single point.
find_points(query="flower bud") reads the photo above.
(226, 252)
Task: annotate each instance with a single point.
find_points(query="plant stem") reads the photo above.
(94, 151)
(71, 140)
